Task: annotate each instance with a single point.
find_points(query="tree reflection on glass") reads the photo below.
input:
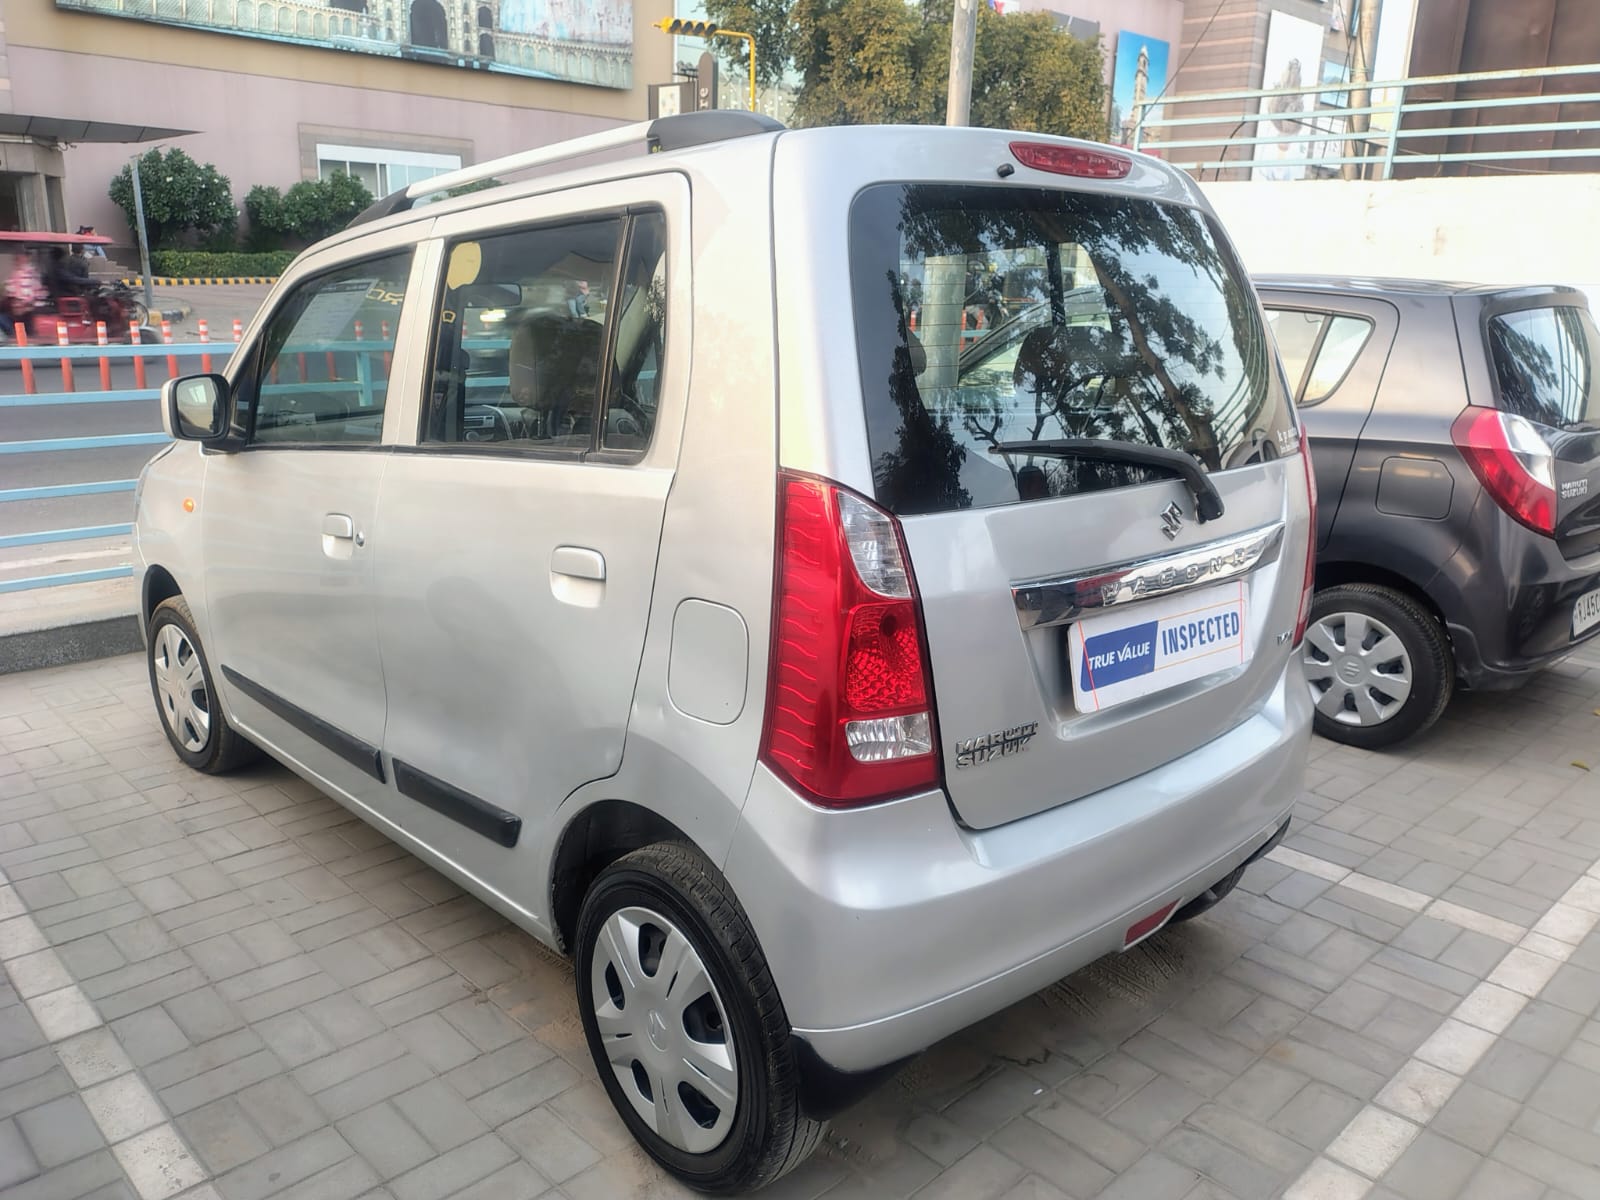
(1136, 329)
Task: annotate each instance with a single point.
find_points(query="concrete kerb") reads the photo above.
(57, 626)
(61, 645)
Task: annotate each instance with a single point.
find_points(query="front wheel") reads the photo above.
(685, 1023)
(186, 697)
(1379, 666)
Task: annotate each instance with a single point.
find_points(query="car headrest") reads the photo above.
(919, 355)
(1060, 357)
(554, 362)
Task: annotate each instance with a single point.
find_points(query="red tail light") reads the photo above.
(1071, 160)
(1514, 464)
(849, 704)
(1309, 582)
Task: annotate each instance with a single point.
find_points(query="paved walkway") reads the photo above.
(230, 988)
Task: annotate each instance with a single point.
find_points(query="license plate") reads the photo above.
(1120, 656)
(1586, 613)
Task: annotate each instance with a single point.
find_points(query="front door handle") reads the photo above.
(578, 562)
(339, 536)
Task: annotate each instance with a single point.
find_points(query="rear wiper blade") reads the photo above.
(1207, 501)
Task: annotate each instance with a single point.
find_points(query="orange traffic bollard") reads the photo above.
(105, 363)
(388, 357)
(138, 361)
(64, 341)
(28, 386)
(205, 340)
(172, 359)
(238, 330)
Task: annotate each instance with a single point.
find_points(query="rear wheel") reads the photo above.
(186, 697)
(685, 1024)
(1378, 665)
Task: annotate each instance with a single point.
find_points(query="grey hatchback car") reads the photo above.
(832, 583)
(1455, 432)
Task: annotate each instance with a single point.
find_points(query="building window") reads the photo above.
(383, 171)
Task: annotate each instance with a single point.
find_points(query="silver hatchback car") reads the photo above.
(831, 583)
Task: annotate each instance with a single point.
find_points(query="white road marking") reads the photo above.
(1379, 1134)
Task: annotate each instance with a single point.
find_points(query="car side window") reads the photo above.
(322, 377)
(1296, 333)
(1341, 344)
(641, 330)
(520, 338)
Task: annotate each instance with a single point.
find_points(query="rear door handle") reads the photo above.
(578, 562)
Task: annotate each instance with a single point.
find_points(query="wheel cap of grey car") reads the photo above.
(1357, 667)
(181, 688)
(664, 1029)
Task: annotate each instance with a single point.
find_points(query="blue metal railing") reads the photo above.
(367, 386)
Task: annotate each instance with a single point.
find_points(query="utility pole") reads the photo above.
(1366, 21)
(144, 240)
(963, 33)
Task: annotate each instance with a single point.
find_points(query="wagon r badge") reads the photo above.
(1171, 520)
(1002, 743)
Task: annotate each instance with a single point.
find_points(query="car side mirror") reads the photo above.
(194, 408)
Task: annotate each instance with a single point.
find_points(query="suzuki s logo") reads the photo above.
(1171, 520)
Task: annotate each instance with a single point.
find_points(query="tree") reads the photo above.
(870, 61)
(315, 208)
(312, 209)
(183, 200)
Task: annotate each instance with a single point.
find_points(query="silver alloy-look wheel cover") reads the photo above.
(664, 1030)
(181, 689)
(1357, 667)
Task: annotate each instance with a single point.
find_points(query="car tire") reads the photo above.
(732, 1116)
(1366, 696)
(186, 696)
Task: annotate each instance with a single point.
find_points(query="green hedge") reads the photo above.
(195, 264)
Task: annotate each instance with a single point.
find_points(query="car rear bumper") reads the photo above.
(891, 927)
(1512, 615)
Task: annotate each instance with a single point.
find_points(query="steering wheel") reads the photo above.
(500, 428)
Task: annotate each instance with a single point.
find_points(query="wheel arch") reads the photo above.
(592, 840)
(158, 585)
(1334, 574)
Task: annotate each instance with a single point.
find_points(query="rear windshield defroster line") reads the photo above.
(992, 315)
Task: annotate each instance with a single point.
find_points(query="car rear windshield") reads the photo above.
(1544, 362)
(989, 316)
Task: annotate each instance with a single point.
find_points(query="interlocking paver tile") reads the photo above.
(269, 965)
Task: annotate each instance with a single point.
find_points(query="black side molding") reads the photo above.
(480, 816)
(359, 754)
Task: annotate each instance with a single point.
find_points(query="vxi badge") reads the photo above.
(973, 752)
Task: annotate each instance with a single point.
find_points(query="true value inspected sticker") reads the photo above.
(1120, 656)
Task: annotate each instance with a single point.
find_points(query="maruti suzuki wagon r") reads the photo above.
(831, 583)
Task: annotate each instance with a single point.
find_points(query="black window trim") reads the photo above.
(258, 349)
(626, 215)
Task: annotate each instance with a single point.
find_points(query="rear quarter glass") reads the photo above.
(990, 315)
